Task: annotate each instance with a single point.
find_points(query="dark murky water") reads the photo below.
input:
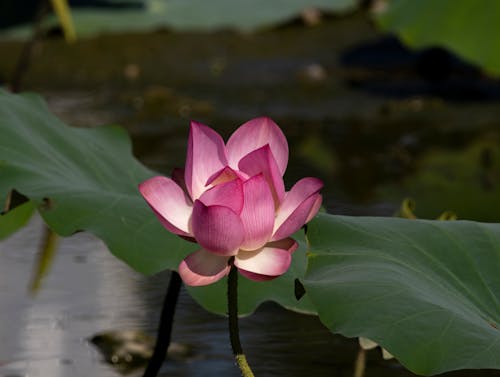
(374, 134)
(89, 291)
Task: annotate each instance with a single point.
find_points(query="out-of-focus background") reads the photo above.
(376, 118)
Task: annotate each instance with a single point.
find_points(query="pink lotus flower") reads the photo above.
(231, 200)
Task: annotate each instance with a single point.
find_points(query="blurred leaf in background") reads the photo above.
(466, 181)
(95, 17)
(467, 27)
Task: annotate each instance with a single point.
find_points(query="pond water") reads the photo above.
(374, 134)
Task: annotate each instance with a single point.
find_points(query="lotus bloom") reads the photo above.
(231, 200)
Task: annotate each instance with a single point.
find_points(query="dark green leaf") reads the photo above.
(83, 179)
(463, 26)
(427, 291)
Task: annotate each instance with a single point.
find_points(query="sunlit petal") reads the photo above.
(206, 155)
(296, 219)
(226, 174)
(294, 210)
(271, 260)
(169, 202)
(255, 134)
(315, 208)
(262, 161)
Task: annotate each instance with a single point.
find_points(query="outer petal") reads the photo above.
(169, 202)
(229, 194)
(296, 219)
(217, 229)
(297, 207)
(256, 277)
(258, 212)
(206, 155)
(315, 208)
(203, 267)
(271, 260)
(262, 161)
(254, 134)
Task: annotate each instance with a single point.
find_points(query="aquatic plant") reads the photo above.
(427, 291)
(234, 204)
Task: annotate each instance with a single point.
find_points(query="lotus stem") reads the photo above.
(45, 259)
(234, 333)
(63, 12)
(165, 326)
(360, 363)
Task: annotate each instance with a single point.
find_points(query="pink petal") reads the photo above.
(258, 213)
(254, 134)
(315, 208)
(169, 202)
(296, 220)
(229, 194)
(262, 161)
(256, 277)
(217, 229)
(226, 174)
(206, 155)
(297, 207)
(203, 267)
(272, 260)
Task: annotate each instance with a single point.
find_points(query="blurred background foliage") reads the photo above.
(93, 17)
(378, 121)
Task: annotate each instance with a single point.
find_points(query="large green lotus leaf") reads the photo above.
(427, 291)
(191, 15)
(251, 294)
(83, 179)
(464, 26)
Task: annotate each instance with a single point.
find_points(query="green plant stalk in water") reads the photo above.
(234, 335)
(165, 326)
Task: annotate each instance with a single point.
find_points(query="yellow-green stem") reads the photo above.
(360, 363)
(45, 259)
(63, 13)
(232, 303)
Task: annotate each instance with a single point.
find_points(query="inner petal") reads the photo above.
(258, 213)
(217, 228)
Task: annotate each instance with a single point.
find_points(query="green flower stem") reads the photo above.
(45, 259)
(234, 335)
(165, 326)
